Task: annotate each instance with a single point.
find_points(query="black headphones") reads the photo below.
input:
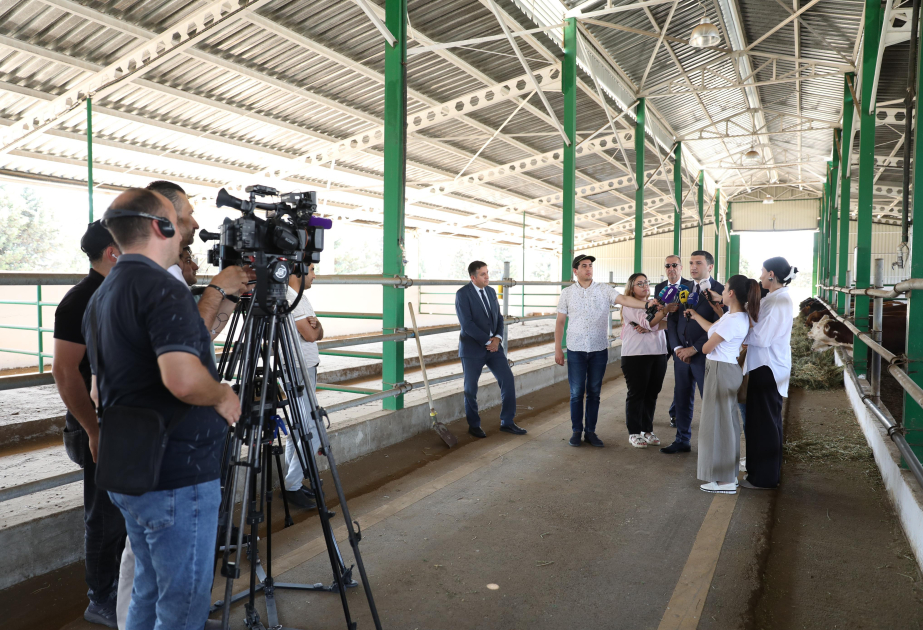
(166, 227)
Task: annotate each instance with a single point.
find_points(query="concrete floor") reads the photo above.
(577, 537)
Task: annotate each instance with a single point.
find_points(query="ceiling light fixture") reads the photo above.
(705, 34)
(752, 156)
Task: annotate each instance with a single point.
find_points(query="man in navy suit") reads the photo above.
(673, 265)
(686, 338)
(479, 345)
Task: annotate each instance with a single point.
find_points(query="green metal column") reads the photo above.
(678, 193)
(729, 222)
(701, 210)
(717, 229)
(90, 154)
(863, 275)
(845, 185)
(816, 259)
(569, 192)
(913, 415)
(825, 255)
(639, 182)
(734, 256)
(834, 217)
(395, 154)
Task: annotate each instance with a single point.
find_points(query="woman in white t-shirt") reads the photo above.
(719, 427)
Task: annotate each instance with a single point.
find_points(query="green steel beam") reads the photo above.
(395, 172)
(734, 255)
(678, 193)
(834, 215)
(816, 258)
(700, 241)
(569, 189)
(863, 275)
(729, 222)
(90, 154)
(639, 182)
(717, 229)
(845, 190)
(913, 414)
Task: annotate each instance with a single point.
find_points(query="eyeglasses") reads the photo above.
(668, 265)
(642, 284)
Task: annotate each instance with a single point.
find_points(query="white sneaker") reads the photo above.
(636, 440)
(719, 488)
(651, 439)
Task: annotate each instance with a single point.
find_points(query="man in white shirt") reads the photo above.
(311, 331)
(584, 307)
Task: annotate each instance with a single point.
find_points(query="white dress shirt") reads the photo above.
(587, 313)
(483, 292)
(733, 328)
(769, 341)
(177, 272)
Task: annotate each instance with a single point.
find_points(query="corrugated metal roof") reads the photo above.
(292, 76)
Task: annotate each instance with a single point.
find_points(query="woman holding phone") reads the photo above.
(644, 363)
(769, 364)
(719, 428)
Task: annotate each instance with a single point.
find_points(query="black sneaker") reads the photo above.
(575, 439)
(592, 440)
(299, 499)
(102, 613)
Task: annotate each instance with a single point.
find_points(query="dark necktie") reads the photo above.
(486, 305)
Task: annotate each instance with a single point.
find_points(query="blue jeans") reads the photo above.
(585, 371)
(498, 365)
(172, 534)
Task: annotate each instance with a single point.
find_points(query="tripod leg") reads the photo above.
(288, 515)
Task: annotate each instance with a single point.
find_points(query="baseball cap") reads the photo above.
(95, 240)
(579, 259)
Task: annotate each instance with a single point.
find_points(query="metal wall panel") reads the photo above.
(885, 239)
(750, 216)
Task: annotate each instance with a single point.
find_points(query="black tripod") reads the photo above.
(273, 385)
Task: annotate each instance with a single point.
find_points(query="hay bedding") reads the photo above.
(812, 370)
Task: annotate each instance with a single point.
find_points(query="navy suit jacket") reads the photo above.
(688, 334)
(476, 326)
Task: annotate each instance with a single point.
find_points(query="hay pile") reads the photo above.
(812, 370)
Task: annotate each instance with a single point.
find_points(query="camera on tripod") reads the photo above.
(287, 240)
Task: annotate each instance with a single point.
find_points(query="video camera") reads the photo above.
(289, 239)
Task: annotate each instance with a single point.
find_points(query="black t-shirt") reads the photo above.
(142, 312)
(68, 325)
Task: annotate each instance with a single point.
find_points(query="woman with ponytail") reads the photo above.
(769, 364)
(719, 427)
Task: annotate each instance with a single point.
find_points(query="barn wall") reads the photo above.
(781, 216)
(885, 239)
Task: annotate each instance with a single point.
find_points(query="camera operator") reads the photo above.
(155, 355)
(218, 302)
(190, 266)
(311, 331)
(105, 527)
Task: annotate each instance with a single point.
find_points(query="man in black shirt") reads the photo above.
(105, 527)
(154, 352)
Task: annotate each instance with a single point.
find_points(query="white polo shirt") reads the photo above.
(587, 313)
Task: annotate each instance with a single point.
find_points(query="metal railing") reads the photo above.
(892, 361)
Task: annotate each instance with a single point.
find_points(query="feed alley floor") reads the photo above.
(595, 538)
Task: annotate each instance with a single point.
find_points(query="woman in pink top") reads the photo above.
(644, 363)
